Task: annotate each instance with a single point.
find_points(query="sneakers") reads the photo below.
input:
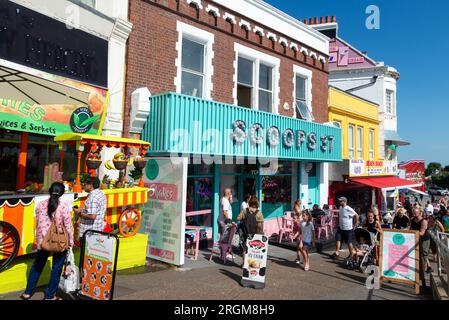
(297, 261)
(229, 256)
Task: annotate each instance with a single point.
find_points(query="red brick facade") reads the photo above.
(152, 53)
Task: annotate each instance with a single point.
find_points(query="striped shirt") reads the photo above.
(96, 205)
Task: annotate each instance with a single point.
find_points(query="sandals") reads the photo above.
(25, 296)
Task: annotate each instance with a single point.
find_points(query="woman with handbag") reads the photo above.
(54, 234)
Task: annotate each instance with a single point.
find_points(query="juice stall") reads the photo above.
(124, 196)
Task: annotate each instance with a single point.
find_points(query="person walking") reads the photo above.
(225, 210)
(418, 223)
(307, 238)
(91, 217)
(345, 231)
(46, 211)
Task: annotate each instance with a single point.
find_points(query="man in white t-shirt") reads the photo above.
(345, 232)
(225, 209)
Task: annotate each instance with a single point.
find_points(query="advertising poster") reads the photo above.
(414, 170)
(362, 168)
(255, 266)
(98, 266)
(164, 215)
(400, 256)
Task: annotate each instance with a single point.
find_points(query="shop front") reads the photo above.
(277, 158)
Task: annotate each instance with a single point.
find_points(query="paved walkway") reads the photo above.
(204, 280)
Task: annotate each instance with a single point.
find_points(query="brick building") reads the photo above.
(239, 66)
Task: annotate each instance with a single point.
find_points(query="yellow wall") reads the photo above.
(348, 109)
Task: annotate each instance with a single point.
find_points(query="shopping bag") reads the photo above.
(70, 277)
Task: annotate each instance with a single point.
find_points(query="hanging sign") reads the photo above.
(399, 257)
(362, 168)
(98, 264)
(255, 266)
(164, 215)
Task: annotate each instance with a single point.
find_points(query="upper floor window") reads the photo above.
(371, 144)
(192, 66)
(303, 93)
(351, 141)
(257, 83)
(194, 62)
(389, 103)
(359, 143)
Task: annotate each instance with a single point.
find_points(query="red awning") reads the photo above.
(386, 182)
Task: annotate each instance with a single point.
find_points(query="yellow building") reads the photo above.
(359, 120)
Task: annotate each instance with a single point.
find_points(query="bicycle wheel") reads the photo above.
(9, 244)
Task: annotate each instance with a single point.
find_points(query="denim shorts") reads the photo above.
(306, 244)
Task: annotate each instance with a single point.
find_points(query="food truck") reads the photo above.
(83, 152)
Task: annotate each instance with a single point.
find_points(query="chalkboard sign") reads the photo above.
(399, 257)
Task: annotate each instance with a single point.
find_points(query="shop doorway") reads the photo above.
(314, 185)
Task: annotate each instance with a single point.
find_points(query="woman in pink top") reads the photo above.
(45, 211)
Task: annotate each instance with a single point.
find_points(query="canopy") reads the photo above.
(389, 183)
(419, 192)
(390, 135)
(21, 86)
(102, 140)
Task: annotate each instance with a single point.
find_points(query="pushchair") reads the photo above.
(368, 258)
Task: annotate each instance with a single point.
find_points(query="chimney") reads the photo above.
(328, 19)
(311, 21)
(322, 20)
(316, 20)
(334, 19)
(306, 21)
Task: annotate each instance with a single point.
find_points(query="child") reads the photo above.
(307, 237)
(297, 236)
(360, 249)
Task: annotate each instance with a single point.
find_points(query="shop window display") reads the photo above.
(277, 189)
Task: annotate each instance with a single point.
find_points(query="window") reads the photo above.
(303, 93)
(256, 79)
(245, 83)
(265, 88)
(337, 123)
(192, 66)
(359, 143)
(351, 141)
(371, 144)
(194, 61)
(389, 105)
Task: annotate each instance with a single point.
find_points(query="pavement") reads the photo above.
(327, 279)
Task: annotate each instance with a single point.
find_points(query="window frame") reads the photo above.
(307, 75)
(351, 129)
(359, 142)
(392, 101)
(258, 58)
(205, 38)
(371, 144)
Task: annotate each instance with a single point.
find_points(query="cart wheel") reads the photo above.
(129, 222)
(9, 244)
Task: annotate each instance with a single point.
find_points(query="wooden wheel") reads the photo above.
(9, 244)
(129, 222)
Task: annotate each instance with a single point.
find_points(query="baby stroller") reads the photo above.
(368, 258)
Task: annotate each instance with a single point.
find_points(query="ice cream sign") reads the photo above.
(255, 266)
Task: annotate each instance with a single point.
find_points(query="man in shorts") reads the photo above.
(345, 232)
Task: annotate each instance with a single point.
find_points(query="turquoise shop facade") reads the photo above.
(277, 158)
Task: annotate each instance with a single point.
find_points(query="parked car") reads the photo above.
(438, 191)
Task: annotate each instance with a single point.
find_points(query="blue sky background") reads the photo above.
(413, 38)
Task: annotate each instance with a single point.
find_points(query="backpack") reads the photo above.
(250, 223)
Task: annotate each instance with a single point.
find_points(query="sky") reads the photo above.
(414, 38)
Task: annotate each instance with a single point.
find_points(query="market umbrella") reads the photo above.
(21, 86)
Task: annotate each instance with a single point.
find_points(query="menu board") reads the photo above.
(399, 258)
(255, 266)
(98, 266)
(164, 215)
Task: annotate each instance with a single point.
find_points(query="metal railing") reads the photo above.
(442, 242)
